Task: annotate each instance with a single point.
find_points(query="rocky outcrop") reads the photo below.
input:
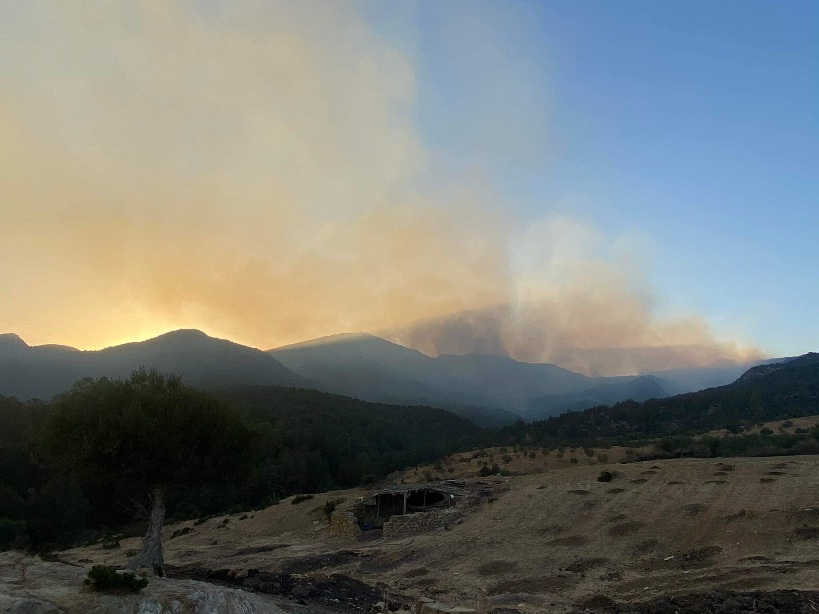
(33, 586)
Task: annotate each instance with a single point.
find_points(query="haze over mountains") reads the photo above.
(489, 390)
(45, 370)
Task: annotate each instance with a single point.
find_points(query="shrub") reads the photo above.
(532, 454)
(588, 452)
(111, 542)
(573, 460)
(438, 467)
(766, 431)
(605, 476)
(103, 578)
(602, 458)
(787, 424)
(300, 498)
(506, 458)
(329, 508)
(486, 471)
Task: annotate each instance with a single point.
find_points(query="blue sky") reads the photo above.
(694, 124)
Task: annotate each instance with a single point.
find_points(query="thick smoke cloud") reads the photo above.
(256, 170)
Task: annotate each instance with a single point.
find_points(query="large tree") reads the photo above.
(149, 435)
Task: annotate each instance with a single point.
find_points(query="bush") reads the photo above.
(105, 579)
(111, 542)
(605, 476)
(299, 498)
(573, 460)
(588, 452)
(506, 458)
(329, 508)
(486, 471)
(602, 458)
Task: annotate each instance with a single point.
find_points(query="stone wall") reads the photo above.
(398, 526)
(343, 524)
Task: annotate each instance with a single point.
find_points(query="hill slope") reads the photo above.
(43, 371)
(767, 392)
(374, 369)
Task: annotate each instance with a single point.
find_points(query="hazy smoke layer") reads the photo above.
(255, 170)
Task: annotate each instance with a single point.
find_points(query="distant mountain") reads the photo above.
(373, 369)
(773, 391)
(610, 392)
(43, 371)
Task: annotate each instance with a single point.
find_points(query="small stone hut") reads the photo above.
(404, 509)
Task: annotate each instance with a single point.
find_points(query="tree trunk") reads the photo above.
(151, 554)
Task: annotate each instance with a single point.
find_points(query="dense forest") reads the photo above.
(305, 441)
(768, 392)
(308, 441)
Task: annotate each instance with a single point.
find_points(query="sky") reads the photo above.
(615, 187)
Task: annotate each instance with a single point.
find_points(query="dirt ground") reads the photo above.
(552, 539)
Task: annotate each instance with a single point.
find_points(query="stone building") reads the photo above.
(406, 509)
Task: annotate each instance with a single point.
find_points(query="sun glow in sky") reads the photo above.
(610, 186)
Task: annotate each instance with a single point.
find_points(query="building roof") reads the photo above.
(447, 487)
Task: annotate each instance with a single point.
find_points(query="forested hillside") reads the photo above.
(769, 392)
(306, 441)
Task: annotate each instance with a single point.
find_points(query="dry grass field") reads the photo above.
(553, 536)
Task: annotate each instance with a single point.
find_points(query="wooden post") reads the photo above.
(378, 507)
(405, 504)
(425, 498)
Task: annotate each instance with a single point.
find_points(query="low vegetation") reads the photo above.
(105, 579)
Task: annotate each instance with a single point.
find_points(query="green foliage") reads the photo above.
(765, 393)
(110, 543)
(486, 470)
(605, 476)
(147, 431)
(300, 498)
(57, 512)
(12, 533)
(312, 441)
(105, 579)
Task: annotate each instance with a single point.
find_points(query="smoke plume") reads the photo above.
(256, 170)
